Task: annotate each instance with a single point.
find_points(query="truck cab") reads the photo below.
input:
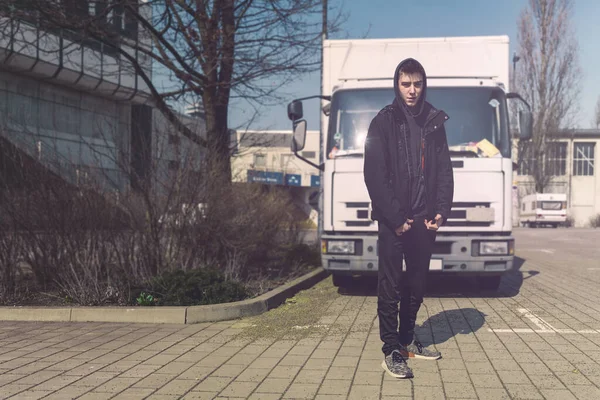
(467, 78)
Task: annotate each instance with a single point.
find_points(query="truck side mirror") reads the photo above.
(294, 110)
(299, 137)
(525, 125)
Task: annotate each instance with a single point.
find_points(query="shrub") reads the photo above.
(195, 287)
(595, 221)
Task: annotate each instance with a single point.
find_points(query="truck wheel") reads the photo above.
(341, 281)
(490, 283)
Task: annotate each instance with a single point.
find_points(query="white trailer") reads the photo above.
(467, 78)
(543, 209)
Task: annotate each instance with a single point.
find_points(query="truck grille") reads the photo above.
(471, 214)
(463, 214)
(360, 211)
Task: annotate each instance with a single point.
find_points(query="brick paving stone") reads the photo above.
(345, 361)
(368, 377)
(557, 394)
(154, 381)
(34, 378)
(227, 370)
(190, 396)
(310, 376)
(524, 392)
(274, 385)
(32, 395)
(93, 396)
(178, 386)
(546, 382)
(341, 373)
(294, 360)
(451, 363)
(212, 384)
(490, 381)
(573, 379)
(301, 391)
(56, 383)
(239, 389)
(253, 375)
(133, 394)
(513, 377)
(481, 367)
(585, 392)
(116, 385)
(396, 387)
(369, 365)
(335, 386)
(364, 392)
(264, 362)
(455, 376)
(460, 391)
(284, 371)
(427, 379)
(429, 393)
(69, 392)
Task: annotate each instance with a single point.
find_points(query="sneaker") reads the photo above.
(416, 350)
(395, 365)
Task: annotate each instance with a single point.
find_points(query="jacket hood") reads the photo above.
(418, 108)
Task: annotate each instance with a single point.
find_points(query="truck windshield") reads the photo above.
(475, 114)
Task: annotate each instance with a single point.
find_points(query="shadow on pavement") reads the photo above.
(450, 285)
(448, 324)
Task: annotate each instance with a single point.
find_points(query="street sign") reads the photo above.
(293, 179)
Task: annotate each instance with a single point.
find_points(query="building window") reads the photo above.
(556, 159)
(527, 160)
(260, 160)
(583, 159)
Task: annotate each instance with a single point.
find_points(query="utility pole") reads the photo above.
(321, 134)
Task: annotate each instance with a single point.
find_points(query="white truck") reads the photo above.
(543, 209)
(467, 77)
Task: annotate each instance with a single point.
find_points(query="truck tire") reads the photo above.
(341, 281)
(489, 283)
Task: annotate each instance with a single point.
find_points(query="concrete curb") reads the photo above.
(166, 315)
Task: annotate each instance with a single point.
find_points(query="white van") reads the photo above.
(543, 209)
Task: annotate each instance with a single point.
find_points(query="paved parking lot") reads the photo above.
(538, 338)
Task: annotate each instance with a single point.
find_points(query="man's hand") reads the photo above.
(405, 227)
(434, 224)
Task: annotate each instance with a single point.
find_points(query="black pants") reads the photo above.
(416, 247)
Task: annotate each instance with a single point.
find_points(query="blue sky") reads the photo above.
(427, 18)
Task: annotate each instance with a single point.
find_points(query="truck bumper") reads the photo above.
(452, 255)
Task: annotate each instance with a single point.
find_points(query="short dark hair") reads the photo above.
(412, 67)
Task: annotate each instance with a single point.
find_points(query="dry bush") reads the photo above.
(91, 247)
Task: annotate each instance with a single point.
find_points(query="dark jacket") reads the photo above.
(387, 159)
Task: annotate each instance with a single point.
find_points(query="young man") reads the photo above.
(408, 174)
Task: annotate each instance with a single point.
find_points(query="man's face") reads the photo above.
(411, 87)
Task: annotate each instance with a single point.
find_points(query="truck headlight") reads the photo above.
(338, 246)
(493, 248)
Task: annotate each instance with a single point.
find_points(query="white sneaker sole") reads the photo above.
(390, 373)
(420, 357)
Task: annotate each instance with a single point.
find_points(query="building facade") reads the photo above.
(570, 165)
(265, 157)
(79, 107)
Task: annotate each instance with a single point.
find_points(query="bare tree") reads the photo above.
(548, 77)
(209, 51)
(596, 122)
